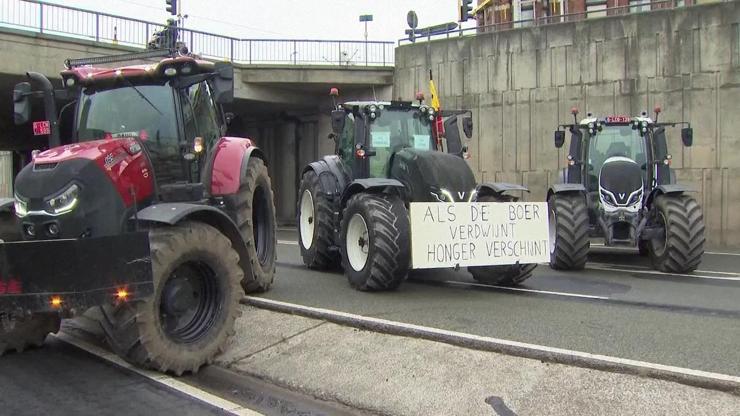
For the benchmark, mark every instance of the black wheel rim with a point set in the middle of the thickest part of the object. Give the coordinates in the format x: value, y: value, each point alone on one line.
x: 262, y: 225
x: 190, y: 302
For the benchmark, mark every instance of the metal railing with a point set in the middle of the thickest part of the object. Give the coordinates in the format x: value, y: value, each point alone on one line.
x: 553, y: 19
x: 37, y: 16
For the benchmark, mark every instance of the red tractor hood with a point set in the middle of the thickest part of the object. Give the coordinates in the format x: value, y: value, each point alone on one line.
x: 92, y: 150
x: 122, y: 160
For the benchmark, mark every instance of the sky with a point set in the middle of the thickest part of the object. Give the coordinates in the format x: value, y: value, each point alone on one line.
x: 286, y: 19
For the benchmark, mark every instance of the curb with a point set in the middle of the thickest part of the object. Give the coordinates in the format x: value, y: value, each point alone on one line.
x: 696, y: 378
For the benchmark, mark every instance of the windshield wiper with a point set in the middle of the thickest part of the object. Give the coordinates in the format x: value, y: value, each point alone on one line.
x: 130, y: 84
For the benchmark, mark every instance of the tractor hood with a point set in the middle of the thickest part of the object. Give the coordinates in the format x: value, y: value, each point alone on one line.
x: 432, y: 176
x: 82, y: 190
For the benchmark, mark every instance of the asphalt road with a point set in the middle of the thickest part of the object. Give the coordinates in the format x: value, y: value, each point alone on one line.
x: 618, y: 306
x: 61, y: 379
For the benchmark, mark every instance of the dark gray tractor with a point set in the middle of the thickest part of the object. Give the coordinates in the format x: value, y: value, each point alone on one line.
x: 619, y: 186
x: 353, y: 206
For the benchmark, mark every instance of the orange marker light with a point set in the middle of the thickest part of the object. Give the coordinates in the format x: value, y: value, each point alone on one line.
x: 122, y: 294
x: 56, y: 301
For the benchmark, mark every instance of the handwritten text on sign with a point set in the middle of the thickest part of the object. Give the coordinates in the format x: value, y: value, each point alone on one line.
x: 478, y: 234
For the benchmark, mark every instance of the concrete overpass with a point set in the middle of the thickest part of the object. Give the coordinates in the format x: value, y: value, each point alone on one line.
x: 283, y: 107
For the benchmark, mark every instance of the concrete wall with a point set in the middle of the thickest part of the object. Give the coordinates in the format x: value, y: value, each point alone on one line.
x: 521, y: 83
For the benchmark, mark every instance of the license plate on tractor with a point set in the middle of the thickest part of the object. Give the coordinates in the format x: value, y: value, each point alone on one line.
x: 461, y: 234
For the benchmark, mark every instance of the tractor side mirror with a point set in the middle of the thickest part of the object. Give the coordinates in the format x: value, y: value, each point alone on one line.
x: 687, y: 136
x: 559, y: 138
x: 223, y: 83
x: 21, y: 103
x: 337, y: 121
x: 467, y: 125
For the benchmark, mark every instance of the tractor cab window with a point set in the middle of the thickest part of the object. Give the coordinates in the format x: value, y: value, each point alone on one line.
x: 144, y: 111
x: 393, y: 130
x: 613, y: 141
x: 147, y: 111
x: 347, y: 141
x: 200, y: 114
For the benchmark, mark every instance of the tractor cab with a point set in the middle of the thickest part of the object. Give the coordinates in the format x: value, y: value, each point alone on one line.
x: 400, y: 140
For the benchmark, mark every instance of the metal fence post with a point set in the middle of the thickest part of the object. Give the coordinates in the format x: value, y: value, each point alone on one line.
x: 146, y: 35
x: 97, y: 27
x: 295, y: 54
x: 41, y: 17
x: 250, y: 51
x: 384, y: 46
x: 231, y: 44
x: 340, y: 53
x: 191, y: 46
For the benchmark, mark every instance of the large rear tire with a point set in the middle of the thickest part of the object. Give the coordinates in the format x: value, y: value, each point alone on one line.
x: 195, y: 303
x: 255, y: 217
x: 376, y: 248
x: 680, y: 248
x: 569, y: 240
x: 315, y: 225
x: 503, y: 275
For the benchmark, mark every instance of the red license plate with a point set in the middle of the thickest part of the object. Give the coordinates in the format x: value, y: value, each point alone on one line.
x: 617, y: 119
x: 41, y: 128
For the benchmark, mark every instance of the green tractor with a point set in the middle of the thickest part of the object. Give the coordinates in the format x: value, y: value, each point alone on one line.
x: 619, y: 186
x: 357, y: 207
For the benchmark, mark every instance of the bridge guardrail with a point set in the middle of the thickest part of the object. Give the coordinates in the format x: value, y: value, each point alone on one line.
x: 40, y: 17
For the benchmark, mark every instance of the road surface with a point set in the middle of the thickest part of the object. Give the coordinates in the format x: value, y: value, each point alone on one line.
x: 618, y: 306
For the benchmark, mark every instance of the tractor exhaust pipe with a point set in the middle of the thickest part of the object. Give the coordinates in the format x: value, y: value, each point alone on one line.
x: 50, y: 108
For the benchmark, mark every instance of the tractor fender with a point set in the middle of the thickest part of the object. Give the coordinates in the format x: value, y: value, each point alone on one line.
x: 229, y: 164
x: 172, y: 213
x: 566, y: 188
x: 666, y: 190
x: 6, y: 204
x: 374, y: 185
x: 498, y: 188
x: 330, y: 176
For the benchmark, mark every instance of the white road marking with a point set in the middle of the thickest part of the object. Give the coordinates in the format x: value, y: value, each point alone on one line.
x: 519, y: 289
x: 462, y: 337
x: 288, y: 242
x: 696, y: 276
x: 714, y: 253
x: 171, y: 382
x: 649, y: 268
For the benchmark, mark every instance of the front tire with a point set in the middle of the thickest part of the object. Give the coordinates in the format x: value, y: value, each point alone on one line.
x: 195, y: 302
x: 255, y: 216
x: 506, y: 274
x: 315, y: 225
x: 376, y: 247
x: 680, y: 248
x: 569, y: 240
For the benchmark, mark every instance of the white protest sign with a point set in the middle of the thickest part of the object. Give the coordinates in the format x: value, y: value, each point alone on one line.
x: 478, y: 233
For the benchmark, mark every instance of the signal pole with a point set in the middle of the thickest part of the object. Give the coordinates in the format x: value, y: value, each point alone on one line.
x: 366, y: 18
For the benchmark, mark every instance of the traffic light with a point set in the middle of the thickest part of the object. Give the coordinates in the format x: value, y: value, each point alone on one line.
x: 466, y: 10
x: 172, y: 6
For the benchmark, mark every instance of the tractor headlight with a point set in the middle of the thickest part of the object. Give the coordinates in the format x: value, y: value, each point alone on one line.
x: 21, y: 208
x: 63, y: 202
x: 608, y: 198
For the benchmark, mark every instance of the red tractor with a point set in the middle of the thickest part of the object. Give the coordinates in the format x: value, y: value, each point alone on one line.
x: 147, y: 211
